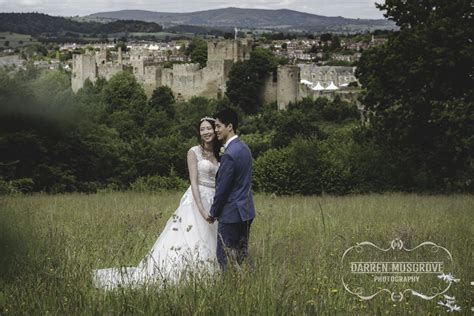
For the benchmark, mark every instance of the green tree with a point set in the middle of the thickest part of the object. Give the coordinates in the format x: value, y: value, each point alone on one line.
x: 246, y: 80
x: 335, y: 43
x: 188, y: 115
x: 122, y: 46
x: 325, y: 37
x: 419, y: 91
x: 197, y: 51
x: 163, y: 99
x: 123, y: 92
x: 55, y: 143
x: 125, y: 101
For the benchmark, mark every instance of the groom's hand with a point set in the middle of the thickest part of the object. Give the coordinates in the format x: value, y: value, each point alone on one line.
x: 210, y: 219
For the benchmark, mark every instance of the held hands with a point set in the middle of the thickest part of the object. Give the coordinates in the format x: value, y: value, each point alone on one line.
x: 207, y: 217
x: 210, y: 219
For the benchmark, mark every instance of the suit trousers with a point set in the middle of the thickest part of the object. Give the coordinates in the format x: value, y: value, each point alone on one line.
x: 232, y: 242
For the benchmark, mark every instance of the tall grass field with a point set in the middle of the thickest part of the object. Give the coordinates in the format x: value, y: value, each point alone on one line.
x: 49, y: 244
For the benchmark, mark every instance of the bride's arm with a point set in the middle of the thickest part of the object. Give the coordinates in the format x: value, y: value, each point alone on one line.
x: 193, y: 177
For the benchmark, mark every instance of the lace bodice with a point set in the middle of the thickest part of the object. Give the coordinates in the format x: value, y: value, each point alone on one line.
x: 206, y: 169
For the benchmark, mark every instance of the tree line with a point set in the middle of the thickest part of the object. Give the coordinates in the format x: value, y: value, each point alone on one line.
x: 41, y: 24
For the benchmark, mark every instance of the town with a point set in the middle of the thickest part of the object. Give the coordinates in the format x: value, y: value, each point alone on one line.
x: 312, y: 66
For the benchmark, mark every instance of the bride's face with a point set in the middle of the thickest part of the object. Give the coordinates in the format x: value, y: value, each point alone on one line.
x: 207, y: 132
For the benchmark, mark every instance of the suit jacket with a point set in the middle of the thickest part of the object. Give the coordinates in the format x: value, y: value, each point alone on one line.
x: 233, y: 200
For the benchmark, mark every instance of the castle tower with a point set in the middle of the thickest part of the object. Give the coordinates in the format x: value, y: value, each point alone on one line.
x: 288, y: 85
x: 232, y: 50
x: 101, y: 56
x: 221, y: 55
x: 119, y: 55
x: 83, y: 67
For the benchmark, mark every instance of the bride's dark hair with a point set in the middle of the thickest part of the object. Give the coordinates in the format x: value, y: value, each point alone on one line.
x: 216, y: 144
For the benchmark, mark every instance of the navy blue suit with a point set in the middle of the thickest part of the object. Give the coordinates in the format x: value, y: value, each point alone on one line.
x: 233, y: 202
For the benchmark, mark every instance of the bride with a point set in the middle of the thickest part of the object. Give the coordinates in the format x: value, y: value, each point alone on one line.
x: 188, y: 242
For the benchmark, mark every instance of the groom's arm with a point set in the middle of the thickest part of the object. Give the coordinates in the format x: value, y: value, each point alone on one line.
x: 224, y: 182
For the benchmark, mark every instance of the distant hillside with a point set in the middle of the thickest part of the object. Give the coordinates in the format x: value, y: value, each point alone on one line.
x: 250, y: 18
x: 37, y: 24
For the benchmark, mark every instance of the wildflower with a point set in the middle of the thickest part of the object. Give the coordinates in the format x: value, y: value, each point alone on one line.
x: 449, y: 298
x: 450, y: 307
x: 448, y: 278
x: 450, y: 303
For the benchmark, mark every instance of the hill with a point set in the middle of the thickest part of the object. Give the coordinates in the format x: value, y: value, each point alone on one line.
x: 39, y: 24
x: 250, y: 18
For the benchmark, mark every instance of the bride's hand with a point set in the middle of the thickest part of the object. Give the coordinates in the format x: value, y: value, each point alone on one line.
x: 204, y: 214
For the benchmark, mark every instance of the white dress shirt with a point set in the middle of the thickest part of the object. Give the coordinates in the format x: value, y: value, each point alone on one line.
x: 229, y: 140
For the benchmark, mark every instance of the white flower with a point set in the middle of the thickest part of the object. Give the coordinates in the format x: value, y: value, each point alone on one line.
x: 450, y: 304
x: 453, y: 308
x: 448, y: 278
x: 450, y: 307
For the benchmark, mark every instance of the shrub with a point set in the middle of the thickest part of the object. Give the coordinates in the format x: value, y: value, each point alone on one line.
x: 257, y: 142
x: 307, y: 156
x: 23, y: 185
x: 275, y: 172
x: 339, y: 110
x: 159, y: 183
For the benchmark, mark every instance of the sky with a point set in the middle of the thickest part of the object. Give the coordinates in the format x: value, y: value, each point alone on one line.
x: 346, y: 8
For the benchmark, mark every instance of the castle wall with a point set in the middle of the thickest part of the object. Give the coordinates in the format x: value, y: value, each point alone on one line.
x: 288, y: 85
x: 304, y: 92
x: 269, y: 93
x: 229, y: 50
x: 186, y: 80
x: 101, y: 57
x: 138, y: 68
x: 215, y: 78
x: 108, y: 70
x: 83, y: 68
x: 152, y: 78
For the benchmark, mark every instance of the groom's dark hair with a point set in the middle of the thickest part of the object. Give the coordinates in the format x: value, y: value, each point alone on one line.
x: 228, y: 116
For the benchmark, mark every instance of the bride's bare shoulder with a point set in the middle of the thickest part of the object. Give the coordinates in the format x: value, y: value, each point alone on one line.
x: 196, y: 150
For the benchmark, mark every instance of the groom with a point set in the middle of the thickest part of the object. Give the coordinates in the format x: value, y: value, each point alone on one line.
x: 233, y: 202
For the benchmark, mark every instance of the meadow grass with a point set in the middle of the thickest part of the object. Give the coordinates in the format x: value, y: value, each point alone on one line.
x: 49, y: 244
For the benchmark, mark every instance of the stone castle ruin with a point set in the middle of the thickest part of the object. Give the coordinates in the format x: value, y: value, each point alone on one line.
x: 290, y: 84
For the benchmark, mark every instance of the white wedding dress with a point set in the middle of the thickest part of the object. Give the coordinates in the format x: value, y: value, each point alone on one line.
x: 187, y: 243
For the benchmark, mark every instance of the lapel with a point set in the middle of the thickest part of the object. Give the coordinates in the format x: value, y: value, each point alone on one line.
x: 235, y: 140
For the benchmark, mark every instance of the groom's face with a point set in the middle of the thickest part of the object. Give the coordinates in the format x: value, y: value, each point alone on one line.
x: 222, y: 131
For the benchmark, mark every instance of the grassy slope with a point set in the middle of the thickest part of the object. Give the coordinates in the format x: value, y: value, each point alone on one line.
x: 14, y: 40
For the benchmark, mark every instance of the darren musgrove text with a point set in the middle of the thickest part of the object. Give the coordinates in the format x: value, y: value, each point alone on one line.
x: 435, y: 267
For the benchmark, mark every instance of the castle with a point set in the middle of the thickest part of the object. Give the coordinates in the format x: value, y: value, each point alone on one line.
x: 290, y: 83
